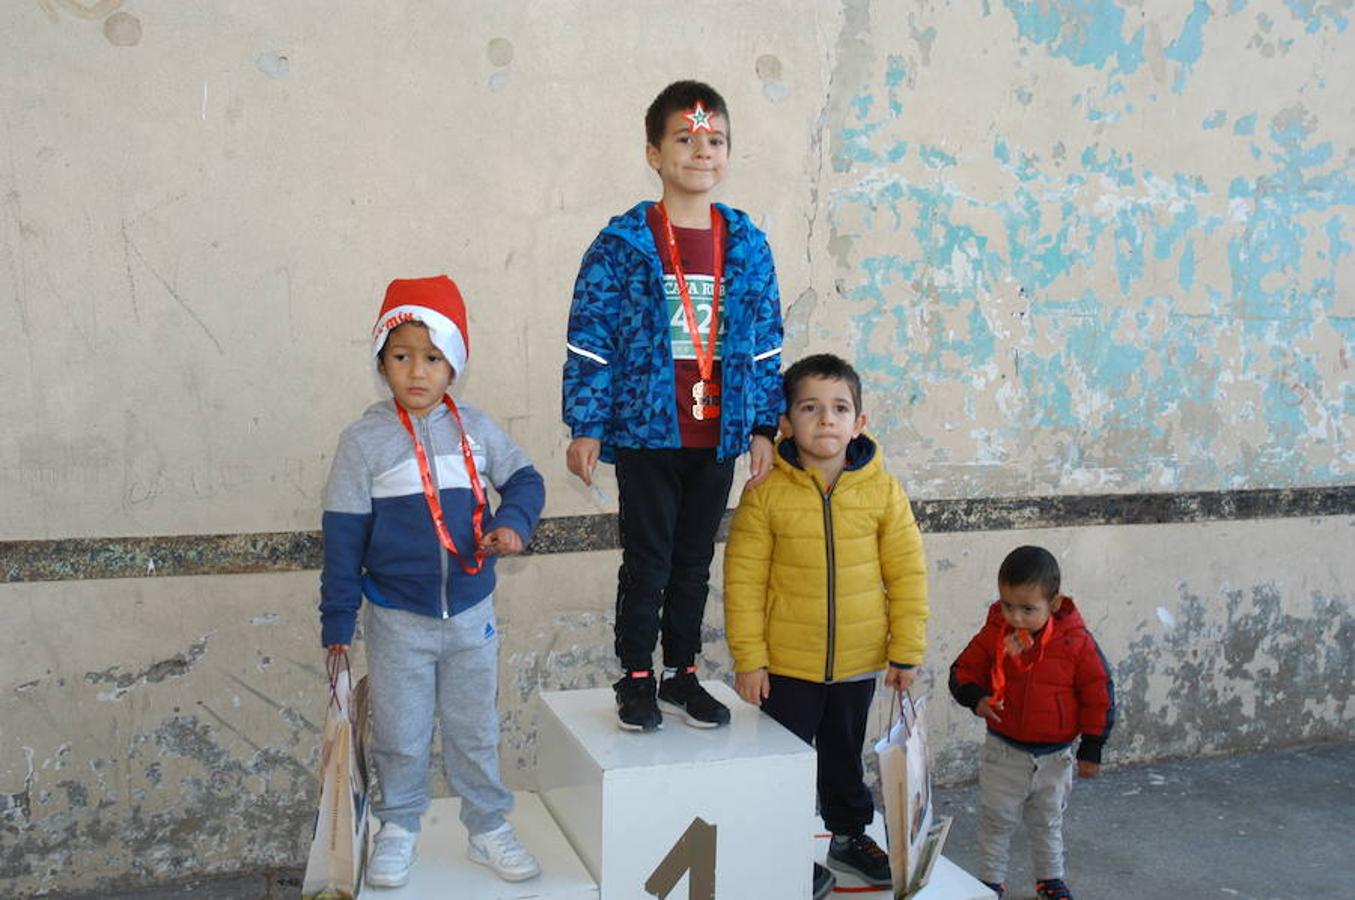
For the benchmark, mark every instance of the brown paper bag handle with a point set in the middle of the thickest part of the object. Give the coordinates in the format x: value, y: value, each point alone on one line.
x: 901, y: 696
x: 334, y: 664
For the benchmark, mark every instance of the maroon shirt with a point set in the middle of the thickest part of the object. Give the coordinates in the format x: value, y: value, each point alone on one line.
x: 698, y: 264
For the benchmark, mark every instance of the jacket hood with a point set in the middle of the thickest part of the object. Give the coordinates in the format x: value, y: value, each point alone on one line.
x: 1067, y: 618
x: 862, y: 455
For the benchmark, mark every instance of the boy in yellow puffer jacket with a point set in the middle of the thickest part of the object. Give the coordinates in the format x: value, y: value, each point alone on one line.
x: 826, y: 586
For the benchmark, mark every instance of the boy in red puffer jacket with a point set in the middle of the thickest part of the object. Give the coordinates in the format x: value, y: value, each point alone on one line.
x: 1036, y: 674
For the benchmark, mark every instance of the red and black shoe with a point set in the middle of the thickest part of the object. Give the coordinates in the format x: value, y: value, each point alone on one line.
x: 999, y: 889
x: 1052, y: 889
x: 859, y: 855
x: 637, y: 708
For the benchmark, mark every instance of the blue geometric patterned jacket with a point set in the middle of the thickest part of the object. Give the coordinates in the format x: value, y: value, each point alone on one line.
x: 619, y: 377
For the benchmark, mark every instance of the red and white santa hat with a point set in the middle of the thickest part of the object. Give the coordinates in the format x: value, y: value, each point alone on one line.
x: 436, y: 303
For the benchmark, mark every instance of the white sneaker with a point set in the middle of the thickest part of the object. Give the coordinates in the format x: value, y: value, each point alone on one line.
x: 392, y: 856
x: 501, y: 851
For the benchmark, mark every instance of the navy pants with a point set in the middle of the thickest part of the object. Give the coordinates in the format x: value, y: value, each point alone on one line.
x: 832, y: 717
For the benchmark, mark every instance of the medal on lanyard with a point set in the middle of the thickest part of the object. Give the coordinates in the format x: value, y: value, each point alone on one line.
x: 999, y: 673
x: 706, y: 391
x: 430, y: 492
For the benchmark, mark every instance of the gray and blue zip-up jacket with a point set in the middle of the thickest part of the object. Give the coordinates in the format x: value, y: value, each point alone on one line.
x: 380, y: 541
x: 619, y: 380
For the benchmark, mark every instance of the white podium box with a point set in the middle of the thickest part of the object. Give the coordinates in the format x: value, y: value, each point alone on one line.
x: 638, y: 807
x: 443, y: 871
x: 948, y: 881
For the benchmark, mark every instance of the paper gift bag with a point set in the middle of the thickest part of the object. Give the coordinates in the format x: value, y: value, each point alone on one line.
x: 905, y: 782
x: 338, y: 854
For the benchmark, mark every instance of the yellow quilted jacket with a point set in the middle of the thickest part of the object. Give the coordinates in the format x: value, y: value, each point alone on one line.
x: 825, y: 586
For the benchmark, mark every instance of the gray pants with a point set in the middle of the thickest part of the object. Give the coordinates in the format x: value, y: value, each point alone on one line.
x: 1013, y: 784
x: 416, y: 666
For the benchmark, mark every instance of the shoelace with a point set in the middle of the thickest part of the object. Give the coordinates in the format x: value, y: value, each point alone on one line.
x: 505, y: 845
x: 868, y: 847
x: 390, y: 844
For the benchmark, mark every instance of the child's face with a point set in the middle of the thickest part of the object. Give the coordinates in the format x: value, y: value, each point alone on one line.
x: 687, y: 162
x: 822, y: 420
x: 1025, y: 607
x: 415, y: 369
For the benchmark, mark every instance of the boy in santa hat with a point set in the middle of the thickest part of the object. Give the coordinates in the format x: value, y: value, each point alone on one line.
x: 407, y: 525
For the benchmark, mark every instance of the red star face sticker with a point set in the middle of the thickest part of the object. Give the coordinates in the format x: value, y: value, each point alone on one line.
x: 699, y: 118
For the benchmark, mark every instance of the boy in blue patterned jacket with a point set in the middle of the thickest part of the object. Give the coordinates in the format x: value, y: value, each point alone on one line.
x: 671, y: 372
x: 408, y: 526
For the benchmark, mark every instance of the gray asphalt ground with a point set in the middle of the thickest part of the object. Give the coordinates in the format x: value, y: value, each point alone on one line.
x: 1271, y: 826
x: 1268, y: 826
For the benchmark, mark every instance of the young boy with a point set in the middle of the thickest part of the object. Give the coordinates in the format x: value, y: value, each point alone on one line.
x: 1036, y: 675
x: 825, y: 586
x: 673, y: 351
x: 407, y: 525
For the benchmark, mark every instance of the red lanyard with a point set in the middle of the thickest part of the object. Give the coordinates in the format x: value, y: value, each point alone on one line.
x: 1021, y: 665
x: 705, y: 356
x: 430, y: 492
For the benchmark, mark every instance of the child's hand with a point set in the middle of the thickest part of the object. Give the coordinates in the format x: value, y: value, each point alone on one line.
x: 336, y: 649
x: 899, y: 679
x: 759, y: 461
x: 502, y: 541
x: 1088, y: 769
x: 987, y: 709
x: 582, y: 458
x: 754, y: 686
x: 1017, y: 642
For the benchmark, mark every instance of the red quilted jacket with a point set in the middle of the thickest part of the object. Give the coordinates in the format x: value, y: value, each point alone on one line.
x: 1068, y: 692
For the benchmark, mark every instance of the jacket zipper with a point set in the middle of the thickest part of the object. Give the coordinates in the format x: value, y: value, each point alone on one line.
x: 642, y: 246
x: 427, y: 430
x: 832, y: 585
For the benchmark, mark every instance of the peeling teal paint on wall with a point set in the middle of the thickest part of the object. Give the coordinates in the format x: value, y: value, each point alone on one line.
x: 854, y: 147
x: 1158, y: 312
x: 1085, y: 32
x: 895, y: 74
x: 1189, y: 46
x: 1267, y: 258
x: 1093, y: 33
x: 935, y: 157
x: 1337, y: 245
x: 1317, y: 14
x: 1108, y: 108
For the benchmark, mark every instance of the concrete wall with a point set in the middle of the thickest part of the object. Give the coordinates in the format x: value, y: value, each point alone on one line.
x: 1079, y: 248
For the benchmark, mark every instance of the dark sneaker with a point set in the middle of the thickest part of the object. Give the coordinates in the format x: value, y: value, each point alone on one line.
x: 1052, y: 889
x: 860, y: 856
x: 999, y: 889
x: 684, y: 695
x: 636, y: 707
x: 824, y: 882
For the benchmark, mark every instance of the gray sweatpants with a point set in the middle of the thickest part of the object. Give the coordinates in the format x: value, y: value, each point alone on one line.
x: 416, y: 666
x: 1013, y: 784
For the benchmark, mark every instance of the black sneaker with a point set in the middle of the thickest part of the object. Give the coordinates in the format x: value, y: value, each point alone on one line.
x: 997, y: 888
x: 635, y: 705
x: 860, y: 856
x: 1052, y: 889
x: 824, y: 882
x: 683, y: 694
